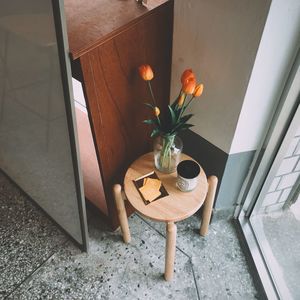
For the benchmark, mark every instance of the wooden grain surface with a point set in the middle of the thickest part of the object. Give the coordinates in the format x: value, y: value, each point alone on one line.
x: 175, y: 207
x: 92, y: 22
x: 115, y: 94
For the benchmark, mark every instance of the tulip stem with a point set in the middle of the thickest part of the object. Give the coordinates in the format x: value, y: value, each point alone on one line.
x: 180, y: 93
x: 165, y: 158
x: 151, y: 92
x: 158, y: 120
x: 184, y: 107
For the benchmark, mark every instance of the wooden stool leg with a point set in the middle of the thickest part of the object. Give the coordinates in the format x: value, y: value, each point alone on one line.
x: 122, y: 215
x: 170, y: 250
x: 208, y: 204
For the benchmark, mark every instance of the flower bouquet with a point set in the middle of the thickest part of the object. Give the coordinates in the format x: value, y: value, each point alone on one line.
x: 167, y: 145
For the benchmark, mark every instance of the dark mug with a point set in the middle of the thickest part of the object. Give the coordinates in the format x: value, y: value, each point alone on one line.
x: 187, y: 175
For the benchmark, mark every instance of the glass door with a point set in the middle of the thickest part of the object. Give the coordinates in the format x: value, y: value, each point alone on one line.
x: 275, y: 218
x: 38, y: 140
x: 269, y: 213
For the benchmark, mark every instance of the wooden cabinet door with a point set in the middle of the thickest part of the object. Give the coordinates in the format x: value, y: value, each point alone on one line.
x: 115, y: 94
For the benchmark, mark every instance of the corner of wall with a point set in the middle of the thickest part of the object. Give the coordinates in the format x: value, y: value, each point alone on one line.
x: 235, y: 172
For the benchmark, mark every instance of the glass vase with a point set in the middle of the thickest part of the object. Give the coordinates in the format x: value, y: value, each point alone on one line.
x: 167, y: 151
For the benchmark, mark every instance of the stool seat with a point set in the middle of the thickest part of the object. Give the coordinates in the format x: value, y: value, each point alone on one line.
x: 177, y: 205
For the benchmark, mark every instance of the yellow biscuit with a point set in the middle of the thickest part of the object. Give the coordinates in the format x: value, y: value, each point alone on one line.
x: 154, y: 183
x: 149, y: 193
x: 145, y: 180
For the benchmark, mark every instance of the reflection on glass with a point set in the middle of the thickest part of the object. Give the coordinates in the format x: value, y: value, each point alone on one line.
x: 277, y: 223
x: 34, y: 139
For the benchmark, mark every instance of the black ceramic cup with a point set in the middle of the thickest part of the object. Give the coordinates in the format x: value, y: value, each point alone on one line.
x: 187, y: 175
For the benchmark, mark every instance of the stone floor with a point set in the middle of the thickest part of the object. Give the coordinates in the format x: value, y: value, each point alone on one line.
x: 37, y: 261
x: 279, y: 233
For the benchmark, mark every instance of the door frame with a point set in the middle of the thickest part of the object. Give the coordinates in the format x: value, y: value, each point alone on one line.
x: 261, y: 166
x: 66, y: 76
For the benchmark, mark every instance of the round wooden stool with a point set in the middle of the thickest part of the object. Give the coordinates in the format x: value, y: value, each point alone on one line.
x: 175, y: 207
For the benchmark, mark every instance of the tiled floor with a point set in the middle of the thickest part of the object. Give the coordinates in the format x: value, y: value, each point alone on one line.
x: 27, y: 237
x: 37, y: 261
x: 279, y: 233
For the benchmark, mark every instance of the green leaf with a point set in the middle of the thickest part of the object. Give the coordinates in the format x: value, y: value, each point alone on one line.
x: 150, y: 121
x: 173, y: 115
x: 186, y: 126
x: 181, y: 126
x: 155, y: 132
x: 177, y: 112
x: 149, y: 105
x: 173, y: 105
x: 185, y: 118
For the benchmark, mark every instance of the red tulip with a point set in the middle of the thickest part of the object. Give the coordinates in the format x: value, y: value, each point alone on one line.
x: 146, y: 72
x: 198, y: 90
x: 188, y: 87
x: 156, y: 111
x: 181, y: 100
x: 187, y: 75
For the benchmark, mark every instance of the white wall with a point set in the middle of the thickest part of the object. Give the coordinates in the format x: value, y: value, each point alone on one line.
x: 219, y: 40
x: 278, y: 46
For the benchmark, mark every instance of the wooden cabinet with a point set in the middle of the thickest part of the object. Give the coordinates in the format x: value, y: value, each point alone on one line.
x: 108, y: 41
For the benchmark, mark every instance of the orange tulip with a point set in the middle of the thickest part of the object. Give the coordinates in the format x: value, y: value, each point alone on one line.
x: 146, y: 72
x: 156, y: 111
x: 187, y: 75
x: 188, y: 87
x: 198, y: 90
x: 181, y: 100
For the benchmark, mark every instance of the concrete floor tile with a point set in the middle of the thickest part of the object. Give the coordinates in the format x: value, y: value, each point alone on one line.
x: 279, y: 234
x: 27, y: 237
x: 211, y: 267
x: 112, y: 269
x: 219, y: 265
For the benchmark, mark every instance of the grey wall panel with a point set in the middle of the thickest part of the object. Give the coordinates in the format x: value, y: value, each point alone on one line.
x: 218, y: 40
x: 236, y: 170
x: 231, y: 170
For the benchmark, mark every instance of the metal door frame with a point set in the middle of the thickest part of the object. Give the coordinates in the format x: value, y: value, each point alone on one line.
x: 66, y: 76
x: 272, y: 145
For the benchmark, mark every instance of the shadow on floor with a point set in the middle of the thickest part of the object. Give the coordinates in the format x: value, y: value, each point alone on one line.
x: 38, y: 261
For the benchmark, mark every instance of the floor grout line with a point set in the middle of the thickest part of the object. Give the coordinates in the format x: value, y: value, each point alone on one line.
x: 195, y: 281
x: 183, y: 252
x: 38, y: 267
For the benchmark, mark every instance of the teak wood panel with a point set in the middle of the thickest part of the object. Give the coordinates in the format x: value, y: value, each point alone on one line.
x: 92, y: 22
x: 116, y: 94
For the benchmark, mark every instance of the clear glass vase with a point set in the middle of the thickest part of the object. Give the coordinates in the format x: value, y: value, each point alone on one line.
x: 167, y: 151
